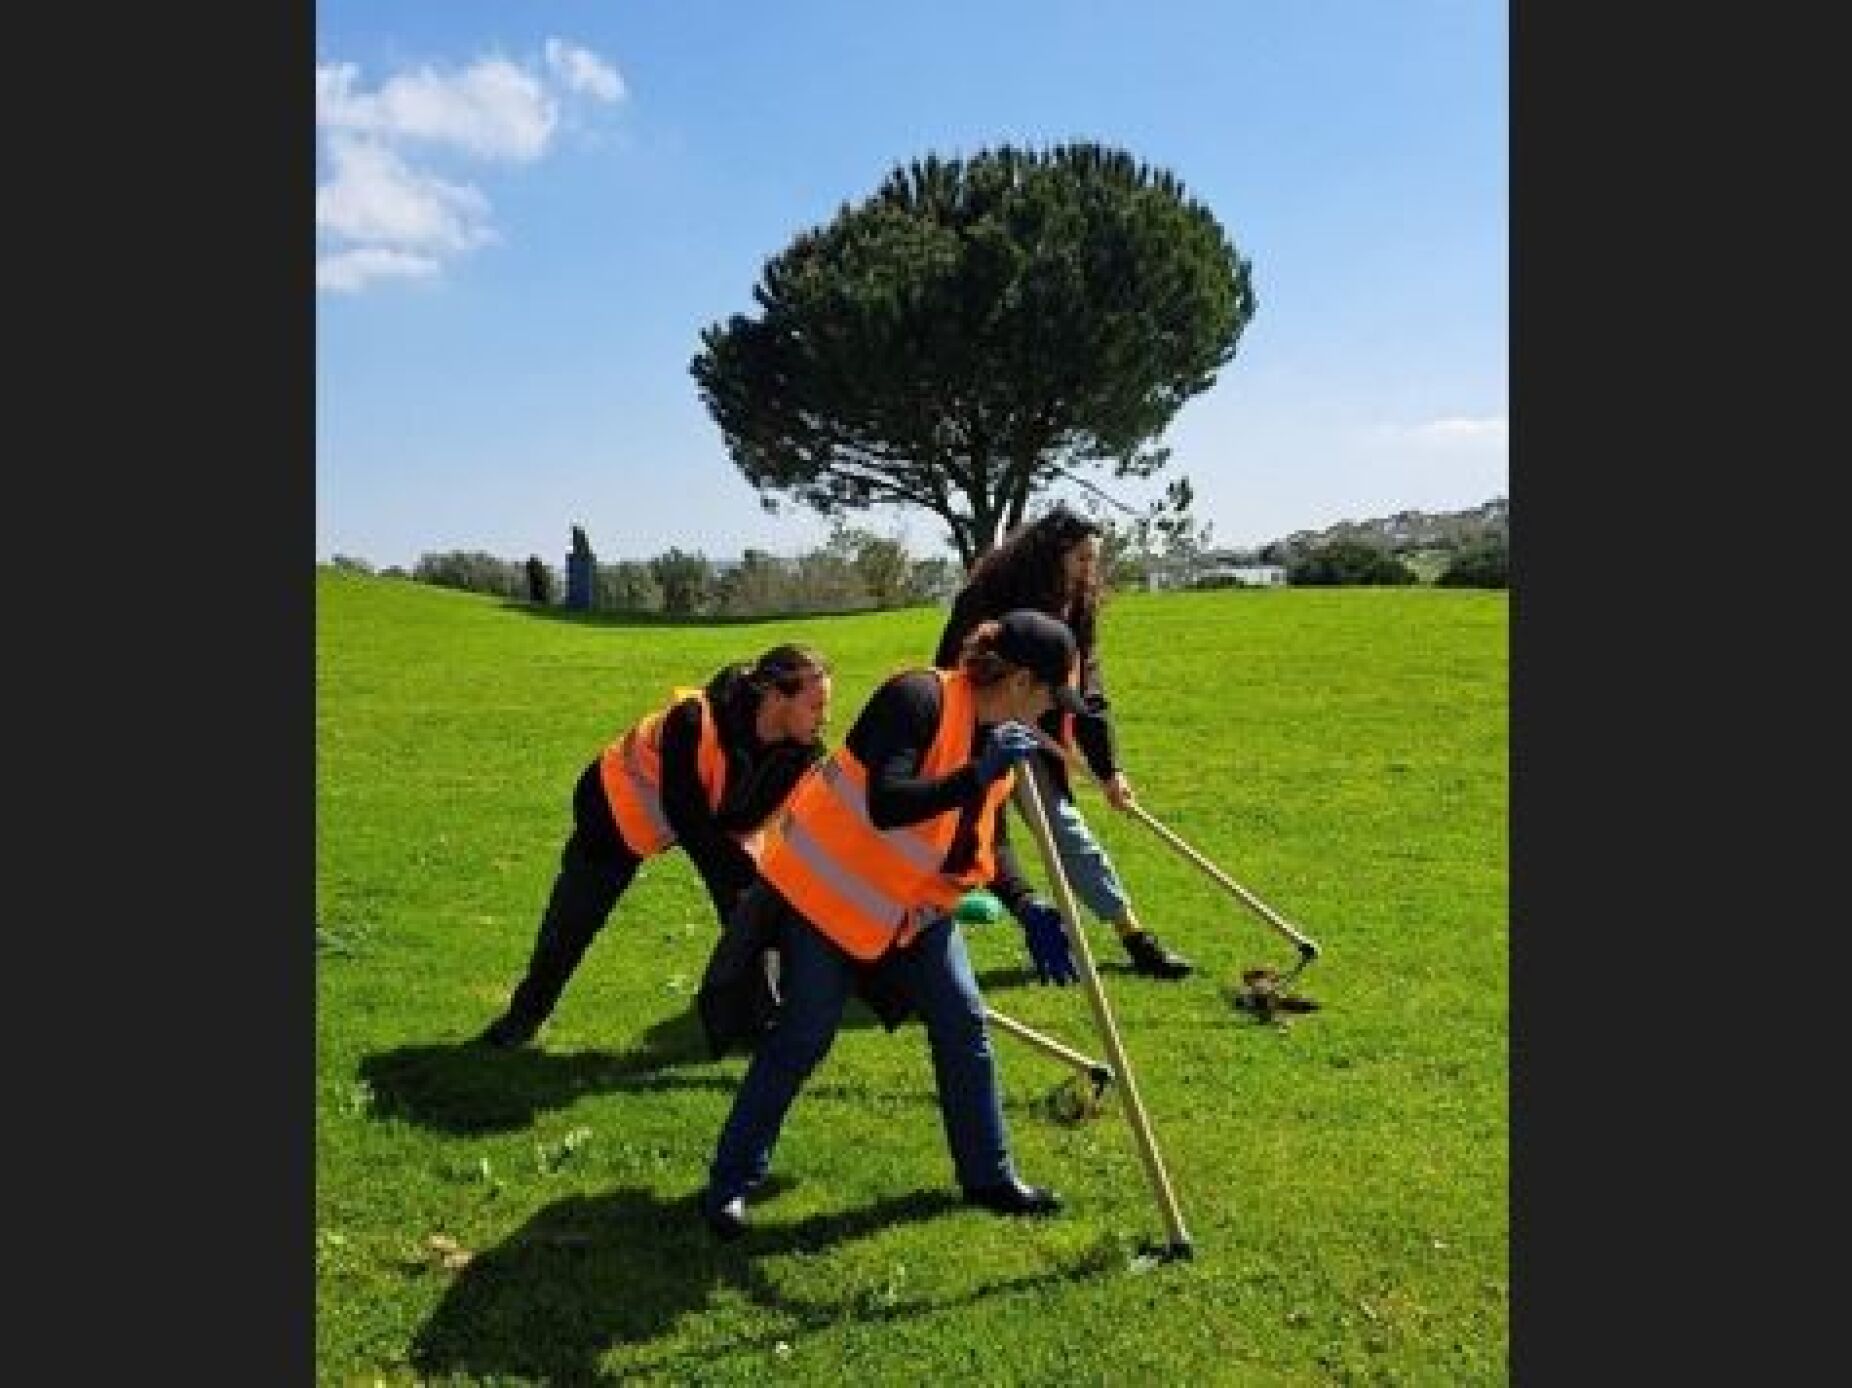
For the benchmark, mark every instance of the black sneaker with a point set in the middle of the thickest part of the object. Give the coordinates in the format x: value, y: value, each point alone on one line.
x: 1014, y: 1197
x: 1149, y: 957
x: 727, y: 1220
x: 508, y: 1032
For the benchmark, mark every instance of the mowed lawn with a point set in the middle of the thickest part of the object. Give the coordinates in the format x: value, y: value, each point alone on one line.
x: 483, y: 1217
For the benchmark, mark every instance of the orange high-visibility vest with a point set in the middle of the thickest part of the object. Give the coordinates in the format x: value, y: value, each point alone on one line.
x: 866, y: 887
x: 631, y: 769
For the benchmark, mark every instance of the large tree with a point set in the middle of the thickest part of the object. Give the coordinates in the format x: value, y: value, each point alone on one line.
x: 973, y: 333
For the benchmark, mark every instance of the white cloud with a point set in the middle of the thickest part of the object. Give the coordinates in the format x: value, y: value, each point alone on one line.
x: 1461, y: 429
x: 350, y: 271
x: 376, y: 197
x: 492, y: 108
x: 584, y: 71
x: 397, y: 219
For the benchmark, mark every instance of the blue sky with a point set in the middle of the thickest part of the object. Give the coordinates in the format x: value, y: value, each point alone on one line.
x: 526, y: 214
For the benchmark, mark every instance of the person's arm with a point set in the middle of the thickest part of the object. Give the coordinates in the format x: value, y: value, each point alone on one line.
x: 889, y: 738
x: 726, y: 868
x: 1094, y: 731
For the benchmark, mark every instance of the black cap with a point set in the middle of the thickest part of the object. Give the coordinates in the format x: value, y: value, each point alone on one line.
x: 1045, y: 647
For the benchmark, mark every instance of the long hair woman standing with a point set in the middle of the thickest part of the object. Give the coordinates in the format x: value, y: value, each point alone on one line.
x: 1052, y: 564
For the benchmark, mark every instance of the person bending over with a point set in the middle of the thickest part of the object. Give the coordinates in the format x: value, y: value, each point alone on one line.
x: 704, y: 774
x: 862, y: 872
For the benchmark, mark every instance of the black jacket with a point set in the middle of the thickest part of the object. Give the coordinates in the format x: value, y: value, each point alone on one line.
x: 759, y: 779
x: 739, y: 998
x: 1094, y: 733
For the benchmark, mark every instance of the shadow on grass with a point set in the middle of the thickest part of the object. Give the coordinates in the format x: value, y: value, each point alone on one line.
x: 590, y: 1273
x: 464, y: 1088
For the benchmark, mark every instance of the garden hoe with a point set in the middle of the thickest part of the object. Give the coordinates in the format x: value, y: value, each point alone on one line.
x: 1029, y: 798
x: 1265, y: 991
x: 979, y: 907
x: 1077, y: 1103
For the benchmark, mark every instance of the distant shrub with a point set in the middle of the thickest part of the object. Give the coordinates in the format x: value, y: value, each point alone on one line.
x: 1342, y: 562
x: 936, y: 579
x: 1482, y: 564
x: 827, y: 582
x: 759, y: 583
x: 474, y: 572
x: 1212, y: 580
x: 626, y: 586
x: 687, y: 581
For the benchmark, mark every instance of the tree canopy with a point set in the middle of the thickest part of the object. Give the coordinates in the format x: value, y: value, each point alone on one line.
x: 975, y: 331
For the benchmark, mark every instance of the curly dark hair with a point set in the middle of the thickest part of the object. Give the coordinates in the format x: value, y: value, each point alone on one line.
x: 1024, y: 569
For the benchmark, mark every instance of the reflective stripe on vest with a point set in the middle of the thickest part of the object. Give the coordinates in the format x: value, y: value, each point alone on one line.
x: 631, y: 769
x: 865, y: 887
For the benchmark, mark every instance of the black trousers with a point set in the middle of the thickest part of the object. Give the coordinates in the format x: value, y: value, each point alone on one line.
x: 595, y: 867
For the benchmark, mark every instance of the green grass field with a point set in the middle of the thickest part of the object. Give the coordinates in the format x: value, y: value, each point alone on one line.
x: 485, y: 1217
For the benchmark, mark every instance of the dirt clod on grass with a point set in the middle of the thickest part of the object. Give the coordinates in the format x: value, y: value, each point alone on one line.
x: 1260, y: 994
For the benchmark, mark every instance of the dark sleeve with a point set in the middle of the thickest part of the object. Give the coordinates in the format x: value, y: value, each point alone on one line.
x: 957, y: 627
x: 1094, y: 733
x: 889, y: 738
x: 726, y: 869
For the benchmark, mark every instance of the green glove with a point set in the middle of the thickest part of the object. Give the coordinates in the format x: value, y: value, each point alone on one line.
x: 978, y: 907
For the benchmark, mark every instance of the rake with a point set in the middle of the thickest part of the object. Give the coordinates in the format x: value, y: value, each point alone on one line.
x: 980, y: 907
x: 1099, y: 1075
x: 1260, y: 981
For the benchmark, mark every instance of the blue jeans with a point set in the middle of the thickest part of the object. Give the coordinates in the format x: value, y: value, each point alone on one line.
x: 816, y: 979
x: 1089, y: 871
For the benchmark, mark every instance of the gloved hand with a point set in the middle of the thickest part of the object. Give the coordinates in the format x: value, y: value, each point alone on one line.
x: 1009, y: 743
x: 1048, y: 947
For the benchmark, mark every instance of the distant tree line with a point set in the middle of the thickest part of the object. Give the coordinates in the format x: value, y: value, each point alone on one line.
x: 1461, y: 549
x: 855, y: 570
x: 473, y: 571
x: 1479, y: 563
x: 347, y: 563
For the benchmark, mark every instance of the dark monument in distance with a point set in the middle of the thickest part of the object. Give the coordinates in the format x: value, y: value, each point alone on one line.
x: 581, y: 573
